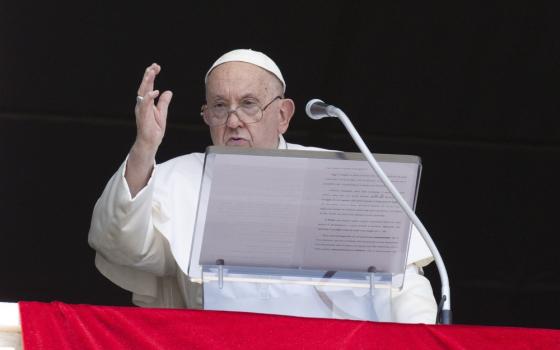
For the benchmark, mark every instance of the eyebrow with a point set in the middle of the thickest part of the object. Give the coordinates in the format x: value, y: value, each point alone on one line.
x: 244, y: 96
x: 250, y: 95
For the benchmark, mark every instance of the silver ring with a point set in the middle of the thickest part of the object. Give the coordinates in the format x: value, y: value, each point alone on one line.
x: 139, y: 99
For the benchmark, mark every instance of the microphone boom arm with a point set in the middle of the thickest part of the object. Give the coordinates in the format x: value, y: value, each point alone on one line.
x: 331, y: 111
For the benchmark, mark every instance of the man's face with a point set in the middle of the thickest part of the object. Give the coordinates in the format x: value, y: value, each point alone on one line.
x: 233, y: 83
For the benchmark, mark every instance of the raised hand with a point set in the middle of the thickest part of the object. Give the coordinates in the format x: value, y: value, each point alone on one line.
x: 151, y: 119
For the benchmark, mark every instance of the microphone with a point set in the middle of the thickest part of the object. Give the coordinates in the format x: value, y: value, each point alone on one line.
x: 317, y: 109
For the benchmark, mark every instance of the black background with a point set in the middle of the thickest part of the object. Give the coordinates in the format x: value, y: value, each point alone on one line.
x: 470, y: 87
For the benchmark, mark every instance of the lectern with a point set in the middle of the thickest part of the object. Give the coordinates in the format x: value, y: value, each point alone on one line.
x: 302, y: 233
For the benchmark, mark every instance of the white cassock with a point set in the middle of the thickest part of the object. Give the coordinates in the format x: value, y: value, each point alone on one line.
x: 143, y: 245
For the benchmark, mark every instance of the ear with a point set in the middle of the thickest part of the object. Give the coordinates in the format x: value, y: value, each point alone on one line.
x: 287, y: 109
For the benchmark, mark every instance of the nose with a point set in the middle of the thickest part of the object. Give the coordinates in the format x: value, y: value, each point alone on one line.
x: 233, y: 120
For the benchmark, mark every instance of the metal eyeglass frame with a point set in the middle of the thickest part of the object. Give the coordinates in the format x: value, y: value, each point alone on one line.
x: 229, y: 112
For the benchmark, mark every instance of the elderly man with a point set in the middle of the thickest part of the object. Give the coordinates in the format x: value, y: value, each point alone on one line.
x: 144, y: 219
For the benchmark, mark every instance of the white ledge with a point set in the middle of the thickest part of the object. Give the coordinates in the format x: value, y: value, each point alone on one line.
x: 9, y: 317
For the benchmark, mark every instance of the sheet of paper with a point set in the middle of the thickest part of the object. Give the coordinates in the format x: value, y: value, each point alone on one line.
x: 350, y: 220
x: 254, y: 209
x: 311, y: 213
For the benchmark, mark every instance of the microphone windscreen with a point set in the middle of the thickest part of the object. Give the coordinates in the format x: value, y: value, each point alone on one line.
x: 316, y: 109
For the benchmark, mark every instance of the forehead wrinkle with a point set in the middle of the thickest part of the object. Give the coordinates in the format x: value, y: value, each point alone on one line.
x: 239, y: 76
x: 231, y: 93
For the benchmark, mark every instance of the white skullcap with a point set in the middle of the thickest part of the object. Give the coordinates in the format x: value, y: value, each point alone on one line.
x: 249, y: 56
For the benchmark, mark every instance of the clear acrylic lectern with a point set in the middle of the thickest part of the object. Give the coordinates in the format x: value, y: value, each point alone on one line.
x: 301, y: 233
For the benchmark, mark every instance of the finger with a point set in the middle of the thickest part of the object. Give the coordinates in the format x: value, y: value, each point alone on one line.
x: 147, y: 83
x: 163, y: 106
x: 147, y: 102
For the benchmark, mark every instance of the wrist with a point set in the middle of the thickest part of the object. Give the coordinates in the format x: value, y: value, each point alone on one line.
x: 142, y: 152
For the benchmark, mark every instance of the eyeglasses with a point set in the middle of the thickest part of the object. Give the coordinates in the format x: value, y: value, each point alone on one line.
x: 248, y: 112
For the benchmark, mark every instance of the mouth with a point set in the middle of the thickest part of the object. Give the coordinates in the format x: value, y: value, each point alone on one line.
x: 237, y: 141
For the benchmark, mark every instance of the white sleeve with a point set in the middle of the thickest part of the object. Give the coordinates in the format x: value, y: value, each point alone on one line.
x: 130, y: 251
x: 415, y: 303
